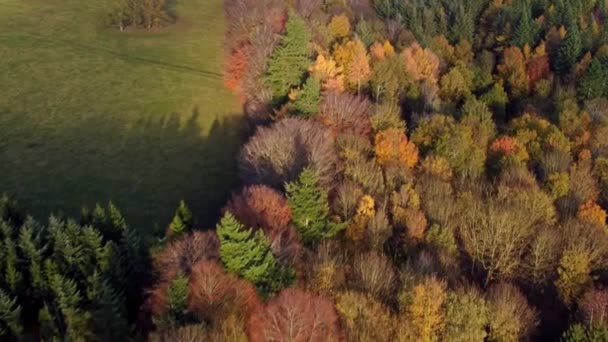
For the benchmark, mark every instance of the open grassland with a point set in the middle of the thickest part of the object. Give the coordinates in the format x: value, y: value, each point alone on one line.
x: 89, y: 114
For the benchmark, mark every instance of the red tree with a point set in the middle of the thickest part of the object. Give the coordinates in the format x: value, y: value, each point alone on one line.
x: 538, y: 68
x: 295, y: 315
x: 260, y: 206
x: 236, y: 68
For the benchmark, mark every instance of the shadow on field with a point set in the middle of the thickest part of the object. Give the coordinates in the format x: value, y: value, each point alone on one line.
x: 145, y: 168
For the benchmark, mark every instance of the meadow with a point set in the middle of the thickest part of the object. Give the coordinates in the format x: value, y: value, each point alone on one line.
x: 90, y: 114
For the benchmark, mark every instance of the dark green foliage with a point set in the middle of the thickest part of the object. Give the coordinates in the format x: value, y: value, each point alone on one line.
x: 593, y: 82
x: 10, y: 315
x: 310, y: 209
x: 71, y: 279
x: 526, y: 31
x: 182, y: 221
x: 309, y: 98
x: 248, y: 254
x: 569, y: 51
x: 289, y: 62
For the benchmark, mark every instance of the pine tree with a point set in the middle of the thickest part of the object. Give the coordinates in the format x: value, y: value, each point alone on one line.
x: 249, y: 255
x: 307, y: 102
x: 569, y: 51
x: 182, y: 221
x: 592, y: 83
x: 308, y: 202
x: 289, y: 62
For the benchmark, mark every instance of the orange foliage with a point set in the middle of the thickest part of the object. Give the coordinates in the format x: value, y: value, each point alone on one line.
x: 416, y: 224
x: 591, y: 212
x: 297, y: 316
x: 421, y: 64
x: 236, y: 68
x: 330, y: 74
x: 392, y: 146
x: 509, y: 147
x: 513, y: 71
x: 260, y: 206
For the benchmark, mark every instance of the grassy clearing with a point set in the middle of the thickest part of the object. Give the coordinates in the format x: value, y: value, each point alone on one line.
x: 89, y: 114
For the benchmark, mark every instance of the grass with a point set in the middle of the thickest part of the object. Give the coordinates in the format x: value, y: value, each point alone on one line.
x: 89, y: 114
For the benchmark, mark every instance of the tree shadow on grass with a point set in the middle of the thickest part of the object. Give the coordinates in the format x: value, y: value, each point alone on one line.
x: 145, y: 168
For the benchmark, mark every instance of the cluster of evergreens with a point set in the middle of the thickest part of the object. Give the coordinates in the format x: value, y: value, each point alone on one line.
x: 417, y: 170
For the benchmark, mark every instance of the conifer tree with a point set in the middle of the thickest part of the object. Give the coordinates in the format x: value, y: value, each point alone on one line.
x: 182, y: 221
x: 177, y: 297
x: 309, y: 98
x: 289, y: 62
x: 249, y: 255
x: 10, y: 315
x: 526, y: 31
x: 569, y: 50
x: 310, y: 209
x: 592, y: 83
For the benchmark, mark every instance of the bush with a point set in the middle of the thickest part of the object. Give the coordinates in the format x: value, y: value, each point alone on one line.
x: 147, y: 14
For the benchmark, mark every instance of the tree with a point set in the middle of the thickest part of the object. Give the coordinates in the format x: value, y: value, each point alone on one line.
x: 248, y: 255
x: 513, y: 72
x: 339, y: 26
x: 364, y: 318
x: 569, y: 50
x: 182, y: 220
x: 308, y: 202
x: 391, y: 146
x: 526, y: 31
x: 511, y: 317
x: 592, y: 84
x: 295, y: 315
x: 289, y: 62
x: 346, y: 114
x: 277, y: 154
x: 260, y: 206
x: 423, y: 313
x: 421, y: 64
x: 308, y: 99
x: 358, y: 72
x: 466, y: 316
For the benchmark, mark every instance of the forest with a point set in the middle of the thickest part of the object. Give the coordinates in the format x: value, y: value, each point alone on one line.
x: 413, y: 170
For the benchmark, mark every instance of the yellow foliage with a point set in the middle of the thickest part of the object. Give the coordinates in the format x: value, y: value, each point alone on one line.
x: 438, y: 167
x: 365, y: 319
x: 389, y: 50
x: 423, y: 318
x: 328, y: 71
x: 366, y: 206
x: 421, y: 64
x: 573, y: 274
x: 541, y: 50
x: 339, y: 26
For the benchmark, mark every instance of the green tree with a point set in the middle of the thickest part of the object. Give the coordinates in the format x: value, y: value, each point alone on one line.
x: 466, y: 316
x: 592, y: 83
x: 177, y: 297
x: 569, y: 50
x: 307, y: 102
x: 310, y: 209
x: 10, y: 316
x: 526, y: 31
x: 248, y: 255
x: 289, y: 62
x: 182, y: 221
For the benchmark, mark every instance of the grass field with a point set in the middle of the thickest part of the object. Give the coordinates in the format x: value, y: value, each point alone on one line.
x: 89, y: 114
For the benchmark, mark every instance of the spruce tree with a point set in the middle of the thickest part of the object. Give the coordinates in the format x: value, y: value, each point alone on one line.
x: 10, y: 316
x: 182, y: 221
x: 526, y: 30
x: 249, y: 255
x: 591, y: 84
x: 307, y: 102
x: 289, y: 62
x: 569, y: 50
x: 310, y: 209
x: 177, y: 296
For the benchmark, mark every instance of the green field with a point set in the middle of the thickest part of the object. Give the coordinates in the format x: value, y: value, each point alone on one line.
x: 90, y: 114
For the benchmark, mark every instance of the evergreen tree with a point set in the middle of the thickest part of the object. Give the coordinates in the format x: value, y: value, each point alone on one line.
x: 310, y: 209
x: 249, y: 255
x: 289, y: 62
x: 307, y: 102
x: 592, y: 83
x: 526, y: 31
x: 569, y: 50
x: 182, y: 221
x: 177, y: 296
x: 10, y: 316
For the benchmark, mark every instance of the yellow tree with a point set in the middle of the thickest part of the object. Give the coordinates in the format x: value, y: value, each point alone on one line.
x: 423, y: 316
x: 392, y: 146
x: 513, y: 71
x: 358, y: 71
x: 421, y: 64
